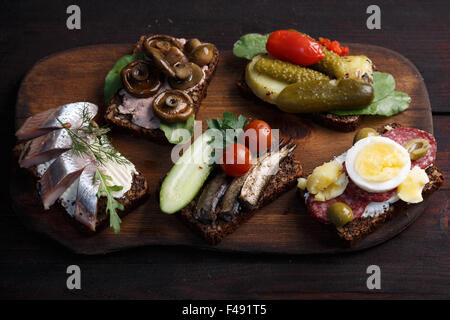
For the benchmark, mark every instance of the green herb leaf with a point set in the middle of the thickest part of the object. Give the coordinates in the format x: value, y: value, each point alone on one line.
x: 250, y: 45
x: 387, y: 102
x: 230, y: 126
x: 104, y: 190
x: 172, y: 132
x: 113, y: 81
x: 100, y: 147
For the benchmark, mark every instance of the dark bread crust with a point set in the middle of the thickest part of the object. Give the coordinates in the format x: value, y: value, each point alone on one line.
x: 329, y: 120
x: 123, y: 121
x: 285, y: 179
x: 358, y: 229
x: 130, y: 200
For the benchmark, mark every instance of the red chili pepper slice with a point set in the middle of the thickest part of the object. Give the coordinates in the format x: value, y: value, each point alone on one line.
x: 334, y: 46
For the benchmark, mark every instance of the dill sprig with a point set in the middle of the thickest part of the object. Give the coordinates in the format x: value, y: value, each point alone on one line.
x: 89, y: 138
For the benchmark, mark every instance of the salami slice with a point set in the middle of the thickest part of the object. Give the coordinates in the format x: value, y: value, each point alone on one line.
x: 318, y: 209
x: 357, y: 192
x: 403, y: 135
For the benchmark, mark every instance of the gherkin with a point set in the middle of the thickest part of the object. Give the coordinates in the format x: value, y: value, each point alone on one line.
x: 287, y: 72
x: 332, y: 64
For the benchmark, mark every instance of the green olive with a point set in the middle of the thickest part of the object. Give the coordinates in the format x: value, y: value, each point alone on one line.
x: 417, y: 148
x: 364, y: 133
x: 340, y: 214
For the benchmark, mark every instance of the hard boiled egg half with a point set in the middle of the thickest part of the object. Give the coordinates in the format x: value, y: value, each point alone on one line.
x: 377, y: 164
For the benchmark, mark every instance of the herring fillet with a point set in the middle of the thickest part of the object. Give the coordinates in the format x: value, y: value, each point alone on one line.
x: 45, y: 121
x: 60, y: 175
x: 45, y: 148
x: 86, y: 201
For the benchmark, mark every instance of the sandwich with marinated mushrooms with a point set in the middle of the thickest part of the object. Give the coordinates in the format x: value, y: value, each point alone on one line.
x: 298, y: 74
x: 159, y: 87
x: 384, y: 172
x: 230, y: 171
x: 77, y: 167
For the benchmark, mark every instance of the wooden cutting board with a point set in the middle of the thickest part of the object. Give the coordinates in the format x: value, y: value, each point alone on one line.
x: 281, y: 227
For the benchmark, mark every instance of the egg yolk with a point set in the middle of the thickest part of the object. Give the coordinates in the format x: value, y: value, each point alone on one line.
x: 379, y: 162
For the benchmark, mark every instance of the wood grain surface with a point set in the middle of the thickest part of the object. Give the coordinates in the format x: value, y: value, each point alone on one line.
x: 282, y: 227
x: 415, y: 264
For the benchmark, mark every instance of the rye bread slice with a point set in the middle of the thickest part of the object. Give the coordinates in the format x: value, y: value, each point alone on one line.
x: 285, y: 179
x: 123, y: 121
x: 130, y: 200
x: 356, y: 230
x: 329, y: 120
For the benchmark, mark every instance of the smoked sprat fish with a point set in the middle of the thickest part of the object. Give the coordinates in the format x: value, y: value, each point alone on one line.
x: 261, y: 173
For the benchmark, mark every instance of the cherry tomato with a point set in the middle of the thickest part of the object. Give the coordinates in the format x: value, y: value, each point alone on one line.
x: 294, y: 47
x: 258, y: 136
x: 237, y: 160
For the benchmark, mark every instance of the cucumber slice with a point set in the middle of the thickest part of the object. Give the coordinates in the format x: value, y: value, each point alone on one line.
x: 187, y: 176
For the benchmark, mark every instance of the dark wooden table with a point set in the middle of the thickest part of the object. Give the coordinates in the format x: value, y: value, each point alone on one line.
x: 415, y: 264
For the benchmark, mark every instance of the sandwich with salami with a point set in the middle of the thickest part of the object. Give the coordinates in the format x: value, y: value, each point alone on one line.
x: 384, y: 172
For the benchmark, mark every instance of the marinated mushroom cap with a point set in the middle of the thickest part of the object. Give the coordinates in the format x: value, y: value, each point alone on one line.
x: 199, y: 53
x: 173, y: 106
x: 140, y: 80
x: 186, y: 76
x: 161, y: 42
x: 160, y: 61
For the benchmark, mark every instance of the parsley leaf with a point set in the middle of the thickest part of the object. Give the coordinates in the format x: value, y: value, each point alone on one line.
x: 104, y: 190
x: 230, y: 127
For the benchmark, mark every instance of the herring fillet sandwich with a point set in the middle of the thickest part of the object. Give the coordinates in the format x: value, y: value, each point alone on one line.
x: 77, y: 166
x: 383, y: 173
x: 160, y: 86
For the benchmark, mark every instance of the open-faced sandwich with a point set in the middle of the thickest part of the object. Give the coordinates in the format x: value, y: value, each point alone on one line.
x: 298, y: 74
x: 383, y: 172
x: 231, y: 170
x: 77, y: 166
x: 159, y: 88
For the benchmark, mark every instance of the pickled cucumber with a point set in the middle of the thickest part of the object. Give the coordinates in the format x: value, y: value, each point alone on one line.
x: 287, y: 72
x: 332, y: 64
x: 324, y: 95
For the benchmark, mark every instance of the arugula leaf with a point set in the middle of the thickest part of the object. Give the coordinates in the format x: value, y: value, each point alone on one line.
x: 113, y: 81
x: 387, y: 102
x: 104, y: 190
x: 172, y: 132
x: 230, y: 126
x: 250, y: 45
